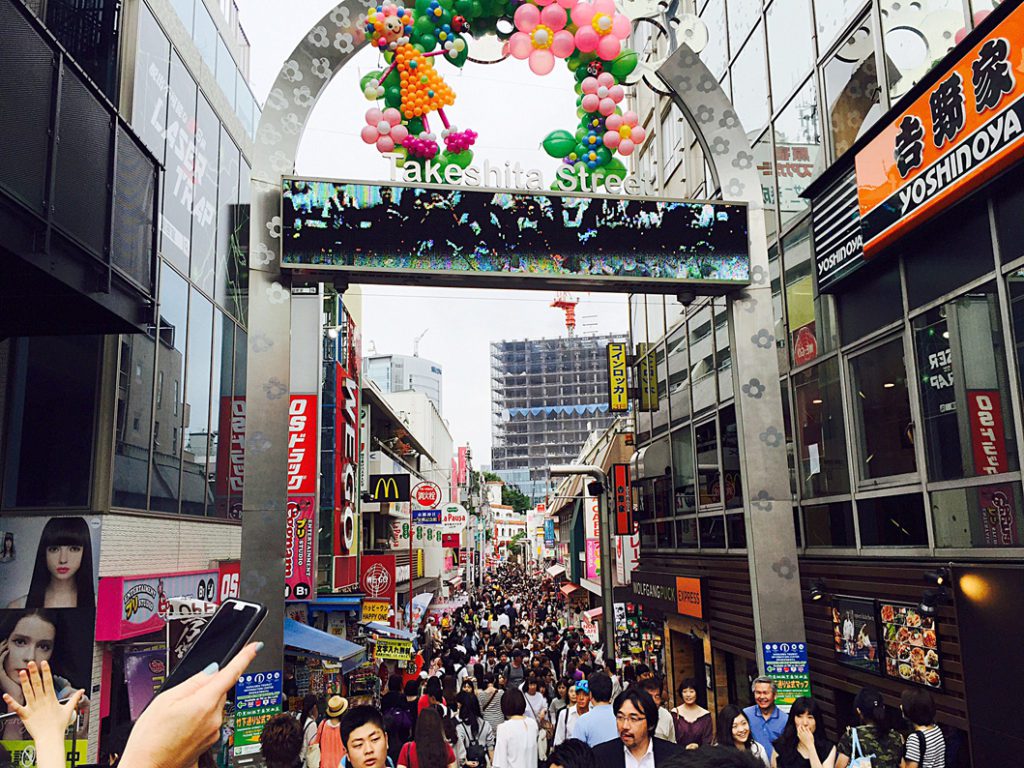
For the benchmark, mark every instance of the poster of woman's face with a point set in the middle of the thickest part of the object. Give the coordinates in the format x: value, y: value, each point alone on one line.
x: 49, y: 562
x: 62, y: 638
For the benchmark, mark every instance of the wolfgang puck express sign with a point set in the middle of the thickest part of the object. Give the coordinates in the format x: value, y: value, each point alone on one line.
x: 965, y: 128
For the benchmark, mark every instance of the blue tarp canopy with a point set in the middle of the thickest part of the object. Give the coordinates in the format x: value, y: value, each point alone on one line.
x: 312, y: 641
x: 385, y: 629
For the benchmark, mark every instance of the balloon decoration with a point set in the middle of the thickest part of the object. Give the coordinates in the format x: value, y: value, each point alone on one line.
x: 588, y: 34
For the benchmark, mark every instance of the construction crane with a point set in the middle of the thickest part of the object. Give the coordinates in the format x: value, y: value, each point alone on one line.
x: 566, y: 302
x: 416, y: 343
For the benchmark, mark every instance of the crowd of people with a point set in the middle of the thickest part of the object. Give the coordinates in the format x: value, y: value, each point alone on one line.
x: 503, y: 682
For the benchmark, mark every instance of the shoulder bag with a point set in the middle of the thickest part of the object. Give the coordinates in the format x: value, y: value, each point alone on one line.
x: 857, y: 757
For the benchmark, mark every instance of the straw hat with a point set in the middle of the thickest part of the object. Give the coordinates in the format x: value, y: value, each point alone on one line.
x: 336, y: 706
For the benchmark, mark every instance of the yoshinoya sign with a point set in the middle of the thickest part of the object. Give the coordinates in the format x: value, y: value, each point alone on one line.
x: 966, y: 127
x: 506, y: 238
x: 672, y: 594
x: 835, y: 222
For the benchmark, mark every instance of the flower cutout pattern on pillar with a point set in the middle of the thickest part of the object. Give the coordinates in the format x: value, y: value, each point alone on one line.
x: 600, y: 28
x: 384, y: 128
x: 541, y: 36
x: 624, y: 133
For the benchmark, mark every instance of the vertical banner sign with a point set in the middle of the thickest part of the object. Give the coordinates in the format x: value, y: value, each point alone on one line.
x: 549, y: 533
x: 786, y: 664
x: 257, y: 700
x: 230, y: 458
x: 987, y: 437
x: 302, y: 445
x: 963, y: 130
x: 618, y: 389
x: 300, y: 558
x: 346, y: 434
x: 592, y: 536
x: 998, y: 516
x: 377, y: 577
x: 622, y: 500
x: 627, y: 557
x: 648, y: 376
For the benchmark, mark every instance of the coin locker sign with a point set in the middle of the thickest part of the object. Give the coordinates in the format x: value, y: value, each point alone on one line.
x: 618, y: 389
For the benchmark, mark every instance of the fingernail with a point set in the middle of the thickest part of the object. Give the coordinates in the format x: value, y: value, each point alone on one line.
x: 259, y: 646
x: 211, y: 668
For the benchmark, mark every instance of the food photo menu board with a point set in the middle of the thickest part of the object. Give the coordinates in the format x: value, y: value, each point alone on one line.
x: 911, y: 645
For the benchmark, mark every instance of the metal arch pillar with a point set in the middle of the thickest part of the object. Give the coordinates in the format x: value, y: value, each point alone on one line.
x: 303, y: 77
x: 768, y: 505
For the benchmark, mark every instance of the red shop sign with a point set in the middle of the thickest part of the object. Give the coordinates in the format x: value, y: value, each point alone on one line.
x: 622, y: 498
x: 987, y: 437
x: 302, y: 445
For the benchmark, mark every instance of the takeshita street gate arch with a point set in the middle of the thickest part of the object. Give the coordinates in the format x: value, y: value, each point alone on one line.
x: 303, y: 77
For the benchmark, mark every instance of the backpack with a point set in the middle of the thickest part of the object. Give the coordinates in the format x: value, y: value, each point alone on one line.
x: 398, y: 727
x: 475, y: 751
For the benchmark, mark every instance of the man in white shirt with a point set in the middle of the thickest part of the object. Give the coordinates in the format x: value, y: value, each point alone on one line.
x: 565, y: 722
x: 666, y: 728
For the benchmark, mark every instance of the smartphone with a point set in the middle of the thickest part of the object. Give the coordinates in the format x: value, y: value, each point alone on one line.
x: 224, y: 635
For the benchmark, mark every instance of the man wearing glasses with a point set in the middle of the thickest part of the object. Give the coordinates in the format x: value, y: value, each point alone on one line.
x: 636, y: 718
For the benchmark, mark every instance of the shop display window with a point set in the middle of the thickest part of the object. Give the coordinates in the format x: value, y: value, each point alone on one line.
x: 709, y: 476
x: 821, y: 440
x: 881, y: 406
x: 736, y: 529
x: 750, y: 85
x: 829, y: 525
x: 798, y: 152
x: 790, y: 45
x: 987, y: 516
x: 965, y: 401
x: 812, y: 323
x: 712, y: 532
x: 915, y: 37
x: 682, y: 471
x: 686, y: 533
x: 892, y: 521
x: 852, y: 93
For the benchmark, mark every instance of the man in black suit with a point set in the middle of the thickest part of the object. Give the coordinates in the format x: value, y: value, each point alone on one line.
x: 636, y: 717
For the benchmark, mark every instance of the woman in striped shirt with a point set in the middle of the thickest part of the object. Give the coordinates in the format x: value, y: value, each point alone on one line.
x: 926, y: 746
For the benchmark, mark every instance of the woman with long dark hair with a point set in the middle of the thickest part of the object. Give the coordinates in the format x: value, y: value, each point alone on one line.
x: 874, y: 736
x: 63, y: 570
x: 734, y: 733
x: 474, y: 747
x: 428, y: 749
x: 7, y: 551
x: 802, y: 743
x: 307, y: 717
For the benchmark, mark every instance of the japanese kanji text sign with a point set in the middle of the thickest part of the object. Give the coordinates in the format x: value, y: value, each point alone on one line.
x: 622, y: 498
x: 647, y: 373
x: 618, y: 390
x: 965, y: 128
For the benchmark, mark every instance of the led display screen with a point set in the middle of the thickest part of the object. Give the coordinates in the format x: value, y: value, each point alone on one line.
x: 481, y: 237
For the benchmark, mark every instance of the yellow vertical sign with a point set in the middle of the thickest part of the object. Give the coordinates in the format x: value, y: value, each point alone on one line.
x: 648, y: 376
x: 618, y: 385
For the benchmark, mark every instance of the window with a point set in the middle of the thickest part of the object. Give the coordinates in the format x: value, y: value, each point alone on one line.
x: 832, y: 16
x: 798, y: 154
x: 712, y: 532
x: 204, y: 200
x: 750, y: 85
x: 812, y: 326
x: 179, y: 179
x: 51, y: 407
x: 743, y: 15
x: 872, y: 301
x: 716, y: 53
x: 678, y: 374
x: 702, y: 359
x: 206, y: 37
x: 1008, y: 201
x: 134, y: 393
x: 820, y: 434
x: 682, y: 471
x: 149, y: 103
x: 779, y: 331
x: 851, y: 87
x: 228, y: 266
x: 186, y: 12
x: 227, y: 72
x: 790, y: 45
x: 732, y: 489
x: 915, y: 37
x: 170, y: 358
x: 892, y: 521
x: 965, y: 400
x: 881, y: 404
x: 709, y: 476
x: 829, y: 525
x: 766, y: 173
x: 984, y: 516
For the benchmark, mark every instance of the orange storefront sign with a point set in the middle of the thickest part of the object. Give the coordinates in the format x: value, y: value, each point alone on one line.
x: 689, y: 598
x: 963, y: 130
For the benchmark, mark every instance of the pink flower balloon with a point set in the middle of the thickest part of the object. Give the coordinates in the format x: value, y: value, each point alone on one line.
x: 600, y: 28
x: 601, y: 94
x: 626, y: 147
x: 623, y: 133
x: 541, y: 36
x: 384, y: 129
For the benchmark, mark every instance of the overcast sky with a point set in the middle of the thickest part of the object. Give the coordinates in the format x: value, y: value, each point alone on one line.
x: 512, y: 110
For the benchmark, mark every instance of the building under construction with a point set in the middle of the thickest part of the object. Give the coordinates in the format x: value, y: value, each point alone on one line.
x: 546, y: 397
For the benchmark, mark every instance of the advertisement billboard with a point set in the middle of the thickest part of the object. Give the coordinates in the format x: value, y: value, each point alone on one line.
x: 302, y: 445
x: 347, y: 436
x: 300, y: 548
x: 377, y: 577
x: 513, y: 239
x: 618, y: 382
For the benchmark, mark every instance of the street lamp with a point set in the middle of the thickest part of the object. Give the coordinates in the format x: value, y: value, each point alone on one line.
x: 599, y: 489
